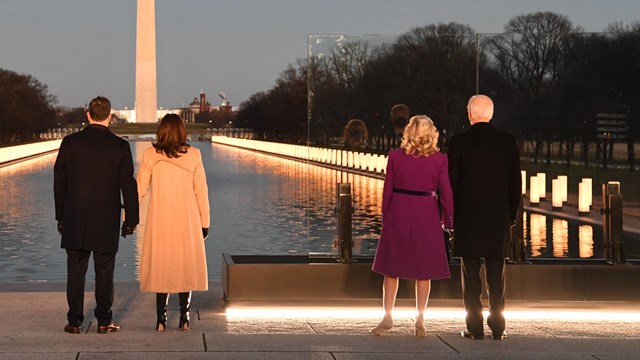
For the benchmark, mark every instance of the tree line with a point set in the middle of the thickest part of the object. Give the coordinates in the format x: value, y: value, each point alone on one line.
x: 26, y: 107
x: 548, y: 78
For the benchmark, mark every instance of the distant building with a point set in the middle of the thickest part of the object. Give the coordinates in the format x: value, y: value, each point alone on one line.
x: 188, y: 113
x: 129, y: 115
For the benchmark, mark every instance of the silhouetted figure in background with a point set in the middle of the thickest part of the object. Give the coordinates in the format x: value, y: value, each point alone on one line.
x: 400, y: 115
x: 355, y: 135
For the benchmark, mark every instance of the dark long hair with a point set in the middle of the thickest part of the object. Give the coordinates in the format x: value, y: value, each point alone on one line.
x: 171, y: 139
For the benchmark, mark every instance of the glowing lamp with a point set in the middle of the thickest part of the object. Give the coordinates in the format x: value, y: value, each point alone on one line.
x: 542, y: 185
x: 588, y: 189
x: 523, y: 175
x: 556, y: 194
x: 563, y: 186
x: 583, y: 200
x: 534, y: 191
x: 367, y: 162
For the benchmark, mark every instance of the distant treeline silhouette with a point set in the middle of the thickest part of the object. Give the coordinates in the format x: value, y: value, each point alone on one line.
x: 548, y: 78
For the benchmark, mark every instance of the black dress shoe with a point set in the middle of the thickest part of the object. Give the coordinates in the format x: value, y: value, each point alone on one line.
x: 499, y: 336
x: 467, y: 334
x: 113, y: 327
x: 72, y: 329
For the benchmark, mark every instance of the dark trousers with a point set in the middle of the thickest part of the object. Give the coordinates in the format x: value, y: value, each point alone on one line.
x: 472, y: 290
x: 104, y: 265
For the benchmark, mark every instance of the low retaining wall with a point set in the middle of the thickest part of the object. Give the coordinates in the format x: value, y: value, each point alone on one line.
x: 263, y: 277
x: 11, y: 154
x: 353, y: 160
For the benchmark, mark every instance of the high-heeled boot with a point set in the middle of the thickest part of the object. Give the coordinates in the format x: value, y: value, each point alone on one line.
x: 185, y: 308
x: 162, y: 299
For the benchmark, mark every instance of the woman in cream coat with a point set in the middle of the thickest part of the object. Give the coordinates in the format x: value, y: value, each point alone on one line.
x: 173, y: 251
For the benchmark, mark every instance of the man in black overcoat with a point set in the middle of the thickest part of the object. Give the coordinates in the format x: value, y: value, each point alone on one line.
x: 484, y: 168
x: 93, y: 168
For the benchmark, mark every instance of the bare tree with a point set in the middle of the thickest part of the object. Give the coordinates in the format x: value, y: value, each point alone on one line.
x: 439, y: 71
x: 531, y: 56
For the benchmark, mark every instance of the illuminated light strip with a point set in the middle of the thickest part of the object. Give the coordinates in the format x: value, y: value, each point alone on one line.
x: 367, y: 313
x: 16, y: 152
x: 347, y: 159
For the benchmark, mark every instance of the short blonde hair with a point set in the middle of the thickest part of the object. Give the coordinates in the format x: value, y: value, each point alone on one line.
x: 420, y: 137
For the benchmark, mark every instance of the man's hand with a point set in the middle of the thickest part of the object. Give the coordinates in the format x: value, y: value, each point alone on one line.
x: 205, y: 233
x: 60, y: 227
x: 127, y: 230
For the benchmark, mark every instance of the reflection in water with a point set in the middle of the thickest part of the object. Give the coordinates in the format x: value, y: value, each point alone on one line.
x: 537, y: 234
x: 560, y: 237
x: 26, y: 217
x: 260, y: 204
x: 585, y: 236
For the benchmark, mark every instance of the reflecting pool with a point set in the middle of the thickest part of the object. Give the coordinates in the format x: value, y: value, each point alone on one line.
x: 260, y: 204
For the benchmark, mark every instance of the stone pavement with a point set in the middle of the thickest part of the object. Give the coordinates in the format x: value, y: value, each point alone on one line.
x: 33, y: 316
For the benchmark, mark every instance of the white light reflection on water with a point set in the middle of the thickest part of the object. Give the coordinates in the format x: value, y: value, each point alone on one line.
x: 260, y: 204
x: 585, y: 236
x: 537, y: 234
x: 560, y: 236
x: 30, y: 251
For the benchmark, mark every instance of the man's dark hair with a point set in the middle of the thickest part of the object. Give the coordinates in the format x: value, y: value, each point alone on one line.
x: 99, y: 108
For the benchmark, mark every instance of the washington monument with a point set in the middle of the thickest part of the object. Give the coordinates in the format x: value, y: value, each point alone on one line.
x: 146, y: 104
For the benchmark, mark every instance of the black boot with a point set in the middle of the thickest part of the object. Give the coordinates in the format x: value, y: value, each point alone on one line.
x: 185, y: 307
x: 161, y: 310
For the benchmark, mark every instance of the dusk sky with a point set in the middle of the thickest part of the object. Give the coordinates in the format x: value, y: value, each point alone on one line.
x: 82, y: 48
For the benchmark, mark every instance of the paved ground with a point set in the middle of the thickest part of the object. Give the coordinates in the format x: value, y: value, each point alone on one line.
x: 33, y: 317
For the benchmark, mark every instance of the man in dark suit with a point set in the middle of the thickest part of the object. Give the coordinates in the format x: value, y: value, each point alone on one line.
x: 92, y: 169
x: 484, y: 168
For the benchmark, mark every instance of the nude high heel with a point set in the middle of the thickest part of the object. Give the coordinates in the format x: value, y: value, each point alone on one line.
x: 420, y: 330
x: 385, y: 325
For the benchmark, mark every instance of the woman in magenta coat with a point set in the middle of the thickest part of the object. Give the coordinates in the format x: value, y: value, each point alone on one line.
x: 417, y: 205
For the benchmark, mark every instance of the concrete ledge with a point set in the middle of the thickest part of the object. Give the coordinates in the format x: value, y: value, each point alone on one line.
x: 253, y: 277
x: 13, y: 154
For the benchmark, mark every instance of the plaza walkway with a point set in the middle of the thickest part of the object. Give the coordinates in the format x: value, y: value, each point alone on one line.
x: 33, y: 316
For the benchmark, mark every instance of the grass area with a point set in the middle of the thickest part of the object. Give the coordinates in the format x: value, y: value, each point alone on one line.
x: 629, y: 180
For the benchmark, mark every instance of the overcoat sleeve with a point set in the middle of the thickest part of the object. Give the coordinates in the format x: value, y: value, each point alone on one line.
x: 454, y: 165
x: 387, y: 190
x: 445, y: 195
x: 144, y: 178
x: 60, y: 181
x: 515, y: 183
x: 129, y: 189
x: 202, y: 192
